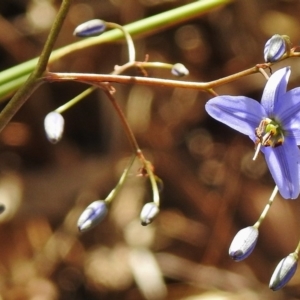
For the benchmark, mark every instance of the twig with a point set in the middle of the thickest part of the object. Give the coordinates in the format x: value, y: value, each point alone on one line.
x: 34, y: 79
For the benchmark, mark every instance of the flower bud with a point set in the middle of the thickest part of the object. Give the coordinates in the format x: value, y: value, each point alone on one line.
x: 243, y: 243
x: 54, y: 126
x: 148, y: 213
x: 179, y: 70
x: 276, y: 47
x: 92, y: 215
x: 284, y: 272
x: 90, y: 28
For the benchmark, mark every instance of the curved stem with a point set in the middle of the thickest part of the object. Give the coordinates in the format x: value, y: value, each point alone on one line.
x: 115, y: 191
x: 134, y: 144
x: 129, y: 41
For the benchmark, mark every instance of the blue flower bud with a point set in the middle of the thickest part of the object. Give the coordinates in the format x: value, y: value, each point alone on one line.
x: 243, y: 243
x: 284, y: 272
x: 54, y: 126
x: 179, y: 70
x: 92, y: 215
x: 276, y: 47
x: 148, y: 213
x: 90, y: 28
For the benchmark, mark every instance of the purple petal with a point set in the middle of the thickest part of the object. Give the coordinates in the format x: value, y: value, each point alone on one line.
x: 283, y: 162
x: 238, y: 112
x: 288, y: 113
x: 274, y: 89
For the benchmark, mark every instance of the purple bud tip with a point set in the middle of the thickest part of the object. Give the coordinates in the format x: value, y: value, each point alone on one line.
x: 90, y: 28
x: 92, y: 215
x: 148, y: 213
x: 284, y: 272
x: 243, y: 243
x: 275, y: 48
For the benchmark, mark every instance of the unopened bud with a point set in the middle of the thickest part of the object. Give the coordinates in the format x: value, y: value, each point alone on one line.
x: 92, y: 215
x: 148, y: 213
x: 243, y: 243
x: 276, y: 47
x: 90, y: 28
x: 179, y: 70
x: 54, y: 126
x: 284, y: 272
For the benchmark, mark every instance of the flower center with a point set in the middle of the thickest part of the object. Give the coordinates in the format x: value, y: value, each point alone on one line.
x: 269, y: 133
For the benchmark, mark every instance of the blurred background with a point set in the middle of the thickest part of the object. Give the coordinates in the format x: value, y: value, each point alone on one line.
x: 212, y: 188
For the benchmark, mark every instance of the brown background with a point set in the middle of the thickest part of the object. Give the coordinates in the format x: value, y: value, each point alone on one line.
x: 212, y: 188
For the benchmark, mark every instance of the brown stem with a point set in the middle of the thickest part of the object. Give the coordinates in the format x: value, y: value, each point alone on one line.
x: 100, y: 78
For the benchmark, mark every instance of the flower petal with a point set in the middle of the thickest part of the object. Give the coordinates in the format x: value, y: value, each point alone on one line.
x: 288, y: 108
x: 274, y: 89
x: 238, y: 112
x: 283, y: 162
x: 288, y: 113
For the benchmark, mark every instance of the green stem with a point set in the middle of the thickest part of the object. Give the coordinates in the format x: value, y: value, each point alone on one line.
x: 115, y: 191
x: 75, y: 100
x: 34, y: 79
x: 142, y: 27
x: 298, y: 248
x: 128, y: 38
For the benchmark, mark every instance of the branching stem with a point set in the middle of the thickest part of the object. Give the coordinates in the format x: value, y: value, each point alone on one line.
x: 34, y: 80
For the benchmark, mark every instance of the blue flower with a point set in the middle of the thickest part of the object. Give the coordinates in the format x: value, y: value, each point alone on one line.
x: 273, y: 124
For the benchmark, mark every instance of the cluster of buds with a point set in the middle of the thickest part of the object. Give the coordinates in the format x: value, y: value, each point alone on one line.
x: 54, y: 127
x: 244, y: 243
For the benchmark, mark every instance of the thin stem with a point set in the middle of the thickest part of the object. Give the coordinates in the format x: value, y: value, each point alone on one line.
x: 256, y: 151
x: 125, y: 124
x: 115, y: 191
x: 34, y: 79
x: 134, y: 144
x: 99, y: 78
x: 129, y: 41
x: 143, y: 27
x: 131, y: 54
x: 267, y: 207
x: 298, y: 248
x: 75, y: 100
x: 118, y: 70
x: 263, y: 72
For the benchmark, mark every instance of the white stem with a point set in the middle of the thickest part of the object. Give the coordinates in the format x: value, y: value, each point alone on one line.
x: 257, y: 151
x: 267, y: 207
